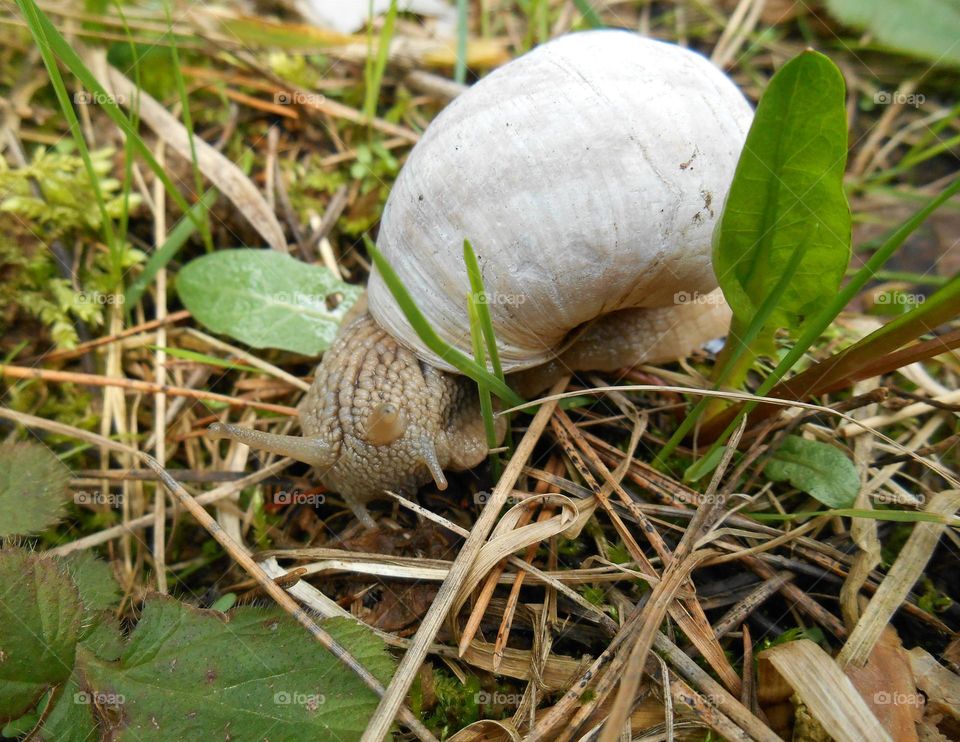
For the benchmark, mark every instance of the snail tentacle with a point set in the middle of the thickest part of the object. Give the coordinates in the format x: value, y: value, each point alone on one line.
x: 308, y: 450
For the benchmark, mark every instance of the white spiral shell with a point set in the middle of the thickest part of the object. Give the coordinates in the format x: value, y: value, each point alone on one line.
x: 588, y: 175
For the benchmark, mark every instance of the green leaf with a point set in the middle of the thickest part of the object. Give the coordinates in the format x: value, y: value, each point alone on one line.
x: 40, y: 616
x: 787, y: 195
x: 266, y: 299
x: 194, y: 674
x: 33, y: 488
x: 704, y: 465
x: 71, y: 719
x: 924, y: 28
x: 94, y: 579
x: 192, y: 355
x: 817, y: 468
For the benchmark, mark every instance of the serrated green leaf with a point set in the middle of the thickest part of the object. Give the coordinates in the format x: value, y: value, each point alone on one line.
x: 266, y: 299
x: 817, y: 468
x: 72, y: 717
x: 787, y: 195
x: 40, y: 616
x: 94, y: 579
x: 196, y: 674
x: 33, y: 488
x: 924, y: 28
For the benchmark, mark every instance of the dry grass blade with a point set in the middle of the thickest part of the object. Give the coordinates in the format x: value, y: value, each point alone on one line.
x: 826, y: 692
x: 430, y: 624
x: 509, y: 536
x: 227, y: 177
x: 896, y: 585
x: 69, y: 377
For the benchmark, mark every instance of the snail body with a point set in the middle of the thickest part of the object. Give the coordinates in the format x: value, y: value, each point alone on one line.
x: 589, y: 175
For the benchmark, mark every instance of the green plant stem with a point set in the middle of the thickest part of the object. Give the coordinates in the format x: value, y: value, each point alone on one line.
x: 463, y: 26
x: 737, y: 360
x: 486, y: 322
x: 486, y: 404
x: 49, y: 38
x: 34, y: 17
x: 434, y: 342
x: 204, y: 225
x: 822, y: 320
x: 375, y: 68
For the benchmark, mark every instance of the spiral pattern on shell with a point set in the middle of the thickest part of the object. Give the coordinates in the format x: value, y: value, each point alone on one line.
x: 588, y: 174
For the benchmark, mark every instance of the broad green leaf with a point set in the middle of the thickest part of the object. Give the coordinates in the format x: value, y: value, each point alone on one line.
x: 93, y: 578
x: 40, y: 616
x: 33, y: 488
x: 787, y: 195
x: 72, y: 717
x: 924, y: 28
x: 817, y: 468
x: 74, y: 712
x: 194, y: 674
x: 266, y: 299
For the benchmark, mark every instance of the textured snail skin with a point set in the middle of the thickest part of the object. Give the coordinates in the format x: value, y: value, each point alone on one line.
x: 589, y: 174
x: 439, y: 412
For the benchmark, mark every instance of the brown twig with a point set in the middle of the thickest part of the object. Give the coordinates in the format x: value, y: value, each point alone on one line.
x: 69, y: 377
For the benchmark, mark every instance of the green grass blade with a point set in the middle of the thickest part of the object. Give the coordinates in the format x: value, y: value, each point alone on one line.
x: 483, y: 307
x: 741, y: 345
x: 486, y: 404
x: 486, y: 322
x: 588, y: 13
x: 169, y: 249
x: 46, y: 44
x: 822, y: 320
x: 192, y: 355
x: 434, y: 342
x: 46, y: 34
x: 374, y: 72
x: 188, y: 125
x: 463, y: 24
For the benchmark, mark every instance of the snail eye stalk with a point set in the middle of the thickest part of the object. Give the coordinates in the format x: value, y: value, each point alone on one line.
x: 308, y: 450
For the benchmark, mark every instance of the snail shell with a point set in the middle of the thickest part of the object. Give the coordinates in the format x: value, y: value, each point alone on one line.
x: 588, y: 174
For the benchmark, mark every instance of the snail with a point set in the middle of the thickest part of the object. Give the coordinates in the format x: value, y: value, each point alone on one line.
x: 588, y: 174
